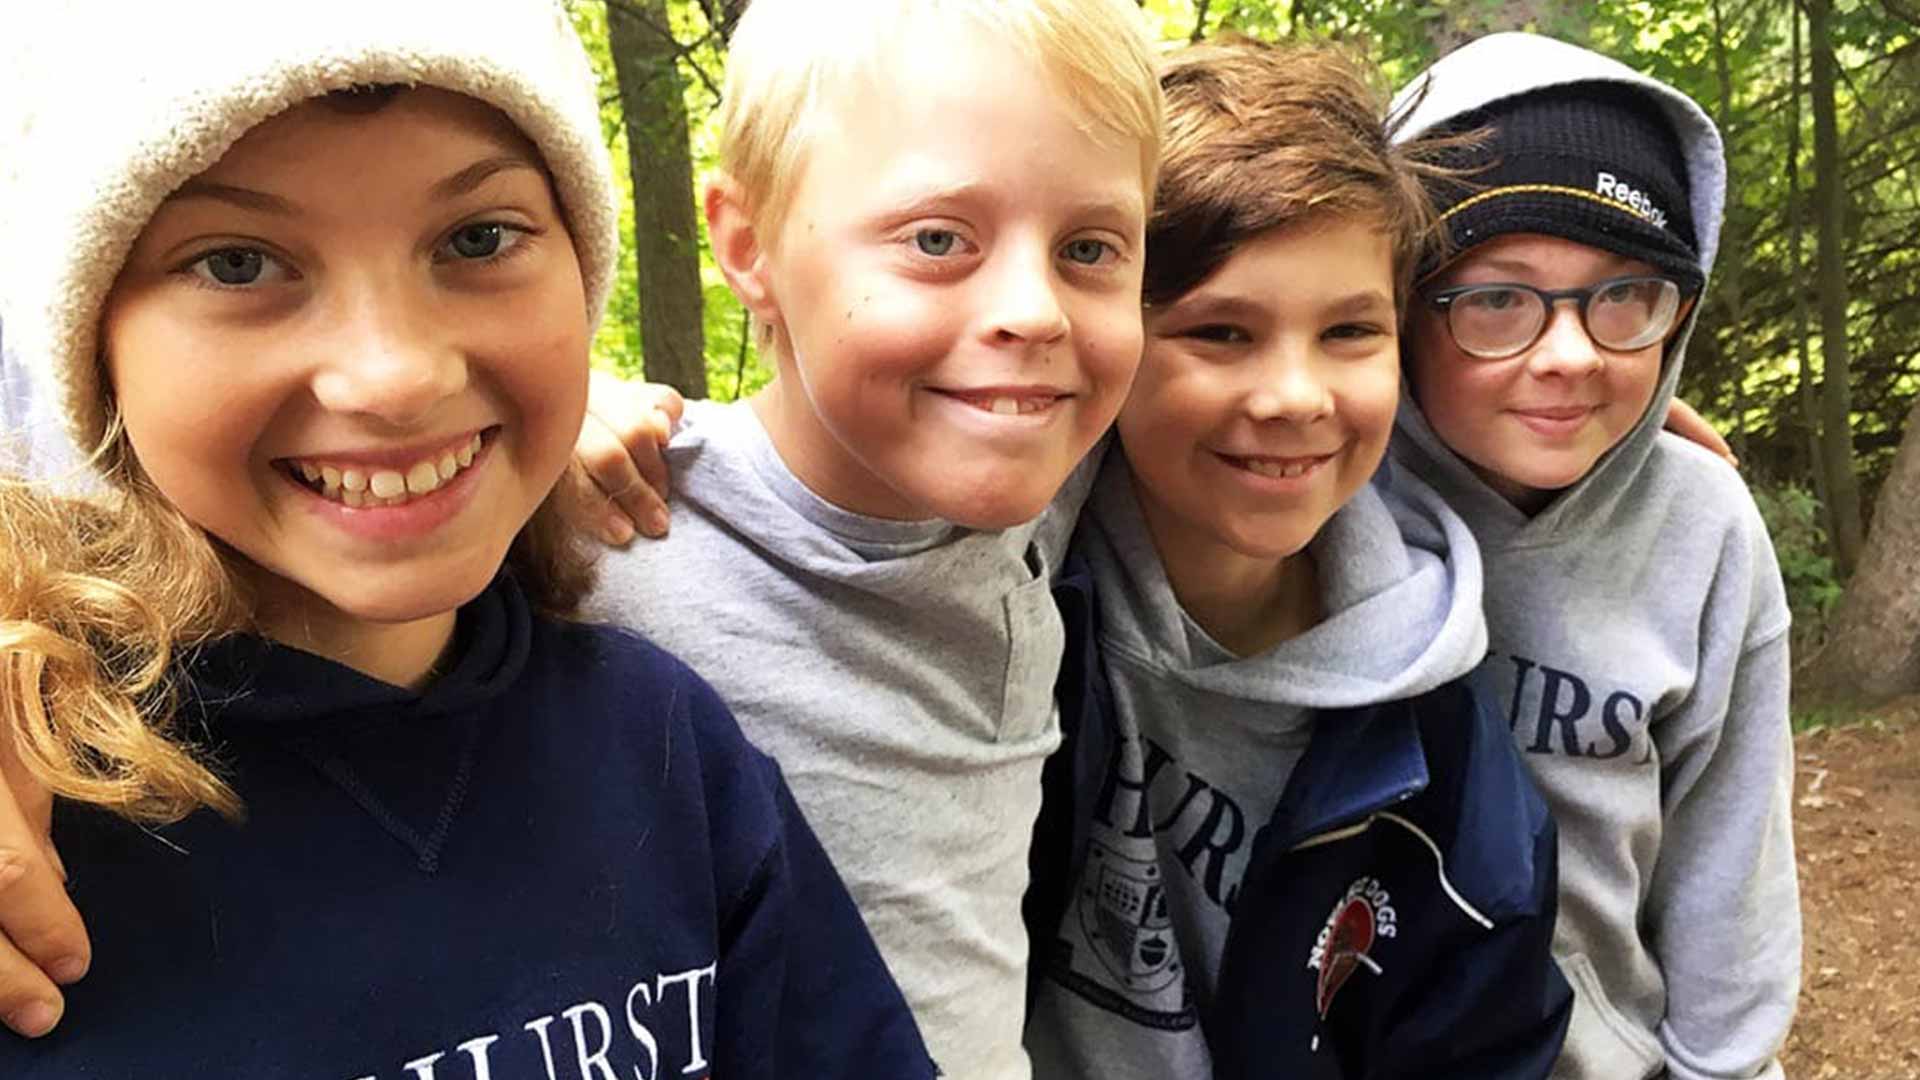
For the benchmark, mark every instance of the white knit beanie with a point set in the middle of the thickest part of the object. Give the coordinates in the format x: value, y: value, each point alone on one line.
x: 112, y: 104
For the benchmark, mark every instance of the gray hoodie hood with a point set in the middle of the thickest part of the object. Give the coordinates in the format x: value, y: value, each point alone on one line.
x: 1399, y: 578
x: 1473, y: 77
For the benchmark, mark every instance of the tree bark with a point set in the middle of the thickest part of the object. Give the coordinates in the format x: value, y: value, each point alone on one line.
x: 1843, y: 487
x: 1733, y: 278
x: 1461, y: 21
x: 1809, y: 402
x: 666, y: 232
x: 1873, y: 640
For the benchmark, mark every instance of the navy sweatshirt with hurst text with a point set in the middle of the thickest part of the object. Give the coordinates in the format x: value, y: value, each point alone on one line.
x: 562, y: 861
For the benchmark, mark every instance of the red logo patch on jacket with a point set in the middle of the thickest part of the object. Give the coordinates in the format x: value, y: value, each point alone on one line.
x: 1363, y: 916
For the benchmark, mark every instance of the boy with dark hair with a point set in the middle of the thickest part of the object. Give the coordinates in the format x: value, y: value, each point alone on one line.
x: 1284, y: 837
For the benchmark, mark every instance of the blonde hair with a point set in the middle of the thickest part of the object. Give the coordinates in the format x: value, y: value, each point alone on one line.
x: 788, y: 58
x: 102, y: 602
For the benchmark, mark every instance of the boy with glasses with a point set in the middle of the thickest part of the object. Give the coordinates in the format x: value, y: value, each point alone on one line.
x: 1637, y: 621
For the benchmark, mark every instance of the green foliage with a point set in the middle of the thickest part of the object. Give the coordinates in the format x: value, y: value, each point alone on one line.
x: 1748, y: 377
x: 1792, y: 516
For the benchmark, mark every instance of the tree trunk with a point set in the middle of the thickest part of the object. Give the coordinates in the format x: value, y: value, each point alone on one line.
x: 1873, y: 641
x: 1843, y: 487
x: 1809, y: 404
x: 666, y: 238
x: 1461, y: 21
x: 1733, y: 277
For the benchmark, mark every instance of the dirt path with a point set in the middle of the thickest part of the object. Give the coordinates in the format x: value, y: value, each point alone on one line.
x: 1857, y: 831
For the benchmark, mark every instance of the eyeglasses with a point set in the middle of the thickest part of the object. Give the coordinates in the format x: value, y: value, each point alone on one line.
x: 1496, y: 321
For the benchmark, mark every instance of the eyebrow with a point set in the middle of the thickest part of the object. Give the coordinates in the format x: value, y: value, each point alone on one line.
x: 936, y: 199
x: 471, y: 177
x: 244, y: 198
x: 460, y: 183
x: 1230, y: 306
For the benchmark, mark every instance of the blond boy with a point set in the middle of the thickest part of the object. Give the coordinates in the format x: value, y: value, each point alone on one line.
x: 935, y: 212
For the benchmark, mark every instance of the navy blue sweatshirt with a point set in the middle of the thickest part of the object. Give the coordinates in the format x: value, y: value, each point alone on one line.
x: 560, y: 862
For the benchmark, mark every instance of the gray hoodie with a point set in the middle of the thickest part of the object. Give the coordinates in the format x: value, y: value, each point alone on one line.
x: 1638, y: 636
x: 1216, y: 736
x: 902, y: 674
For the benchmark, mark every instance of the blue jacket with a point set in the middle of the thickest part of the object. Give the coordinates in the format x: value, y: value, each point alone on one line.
x: 1328, y: 973
x: 560, y: 861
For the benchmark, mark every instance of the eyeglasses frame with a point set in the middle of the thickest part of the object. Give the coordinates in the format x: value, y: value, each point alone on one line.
x: 1441, y: 300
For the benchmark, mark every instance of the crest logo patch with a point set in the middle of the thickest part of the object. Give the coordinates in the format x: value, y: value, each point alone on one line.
x: 1363, y: 916
x: 1123, y: 912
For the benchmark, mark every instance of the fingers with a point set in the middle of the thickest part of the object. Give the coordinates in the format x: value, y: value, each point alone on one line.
x: 30, y: 1003
x: 623, y: 498
x: 1685, y: 421
x: 621, y: 444
x: 44, y: 941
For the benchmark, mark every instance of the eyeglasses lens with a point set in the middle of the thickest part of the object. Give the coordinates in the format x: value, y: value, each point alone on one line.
x: 1495, y: 321
x: 1633, y: 313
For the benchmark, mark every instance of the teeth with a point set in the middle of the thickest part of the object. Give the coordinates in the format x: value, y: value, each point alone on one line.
x: 1006, y: 406
x: 1277, y: 468
x: 423, y: 478
x: 386, y: 483
x: 388, y: 487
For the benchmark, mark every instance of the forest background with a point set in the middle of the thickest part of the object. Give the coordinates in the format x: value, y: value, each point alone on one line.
x: 1807, y: 355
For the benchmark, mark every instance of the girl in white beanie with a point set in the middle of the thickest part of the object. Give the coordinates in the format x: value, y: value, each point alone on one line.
x: 341, y: 797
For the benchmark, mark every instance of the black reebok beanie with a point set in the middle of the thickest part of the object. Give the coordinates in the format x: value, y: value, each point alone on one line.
x: 1596, y: 163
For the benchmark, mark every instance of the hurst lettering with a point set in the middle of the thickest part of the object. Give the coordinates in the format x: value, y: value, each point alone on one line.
x: 1551, y: 711
x: 584, y: 1042
x: 1147, y: 793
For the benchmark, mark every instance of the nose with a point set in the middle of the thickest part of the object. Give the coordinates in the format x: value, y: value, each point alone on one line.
x: 1288, y: 386
x: 1023, y: 302
x: 1565, y: 348
x: 387, y: 361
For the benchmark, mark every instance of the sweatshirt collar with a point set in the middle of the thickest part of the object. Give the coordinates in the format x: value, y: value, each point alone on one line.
x: 251, y: 684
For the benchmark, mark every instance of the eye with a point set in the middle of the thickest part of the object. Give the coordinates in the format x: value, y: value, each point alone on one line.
x: 1491, y: 299
x: 936, y: 242
x: 1352, y: 331
x: 1087, y: 252
x: 480, y: 241
x: 1220, y: 333
x: 237, y: 268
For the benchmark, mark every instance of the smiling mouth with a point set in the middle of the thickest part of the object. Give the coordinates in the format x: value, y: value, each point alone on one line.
x: 1277, y: 468
x: 1007, y: 403
x: 366, y: 487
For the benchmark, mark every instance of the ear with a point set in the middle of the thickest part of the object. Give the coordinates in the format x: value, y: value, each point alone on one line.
x: 738, y: 251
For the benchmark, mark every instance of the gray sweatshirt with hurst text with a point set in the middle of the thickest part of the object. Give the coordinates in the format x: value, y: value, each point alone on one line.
x: 1638, y: 644
x: 902, y: 675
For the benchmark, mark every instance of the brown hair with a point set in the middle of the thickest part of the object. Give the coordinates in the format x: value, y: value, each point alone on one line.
x: 1262, y: 135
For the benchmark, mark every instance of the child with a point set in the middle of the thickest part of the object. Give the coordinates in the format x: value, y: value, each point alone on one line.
x: 1637, y: 620
x: 1284, y: 838
x: 320, y: 284
x: 944, y: 260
